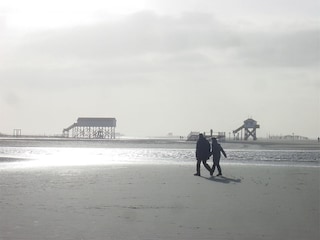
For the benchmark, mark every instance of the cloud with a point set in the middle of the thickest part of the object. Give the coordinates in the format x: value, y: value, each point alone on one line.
x: 139, y: 34
x: 145, y: 45
x: 140, y: 44
x: 146, y: 33
x: 12, y: 99
x: 298, y: 48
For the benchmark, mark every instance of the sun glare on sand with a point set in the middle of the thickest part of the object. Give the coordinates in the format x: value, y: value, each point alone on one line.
x: 73, y: 157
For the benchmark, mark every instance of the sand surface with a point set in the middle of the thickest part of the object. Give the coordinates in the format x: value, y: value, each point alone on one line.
x: 140, y: 202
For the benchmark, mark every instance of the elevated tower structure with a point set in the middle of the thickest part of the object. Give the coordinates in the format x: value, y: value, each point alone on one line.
x: 249, y: 126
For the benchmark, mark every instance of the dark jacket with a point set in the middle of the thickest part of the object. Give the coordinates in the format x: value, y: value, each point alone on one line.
x: 203, y: 149
x: 216, y: 151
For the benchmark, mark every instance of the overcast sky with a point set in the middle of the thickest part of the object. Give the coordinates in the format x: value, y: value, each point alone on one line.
x: 160, y: 66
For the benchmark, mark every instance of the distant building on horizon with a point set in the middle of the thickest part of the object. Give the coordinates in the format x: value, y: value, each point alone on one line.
x: 194, y: 136
x: 288, y: 137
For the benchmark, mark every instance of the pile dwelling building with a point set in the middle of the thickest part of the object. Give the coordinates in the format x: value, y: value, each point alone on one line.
x: 92, y: 128
x: 250, y: 127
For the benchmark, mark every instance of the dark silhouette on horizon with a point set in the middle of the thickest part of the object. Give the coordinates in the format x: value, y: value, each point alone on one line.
x: 216, y: 151
x: 202, y: 153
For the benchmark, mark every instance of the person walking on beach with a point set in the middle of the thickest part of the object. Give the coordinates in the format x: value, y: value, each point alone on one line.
x: 216, y: 151
x: 202, y: 153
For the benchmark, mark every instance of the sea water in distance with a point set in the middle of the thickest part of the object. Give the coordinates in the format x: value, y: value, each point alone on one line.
x: 30, y: 153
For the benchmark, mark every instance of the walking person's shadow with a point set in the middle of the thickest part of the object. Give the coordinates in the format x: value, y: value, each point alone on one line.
x: 223, y: 179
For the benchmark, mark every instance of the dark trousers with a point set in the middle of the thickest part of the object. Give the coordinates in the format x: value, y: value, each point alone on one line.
x: 204, y: 164
x: 216, y: 163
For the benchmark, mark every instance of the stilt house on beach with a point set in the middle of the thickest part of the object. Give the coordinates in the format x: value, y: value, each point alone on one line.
x: 249, y: 126
x: 92, y: 128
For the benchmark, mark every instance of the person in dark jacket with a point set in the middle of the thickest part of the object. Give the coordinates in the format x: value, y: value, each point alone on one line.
x: 216, y: 151
x: 202, y: 153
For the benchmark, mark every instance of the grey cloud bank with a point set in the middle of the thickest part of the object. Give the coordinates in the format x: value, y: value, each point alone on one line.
x: 160, y: 73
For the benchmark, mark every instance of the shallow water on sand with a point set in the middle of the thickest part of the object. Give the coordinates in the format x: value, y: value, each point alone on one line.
x: 46, y: 153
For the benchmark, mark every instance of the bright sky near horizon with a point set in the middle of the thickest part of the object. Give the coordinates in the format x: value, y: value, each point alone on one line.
x: 160, y: 66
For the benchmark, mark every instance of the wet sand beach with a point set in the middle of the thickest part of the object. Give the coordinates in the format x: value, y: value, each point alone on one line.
x: 141, y: 201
